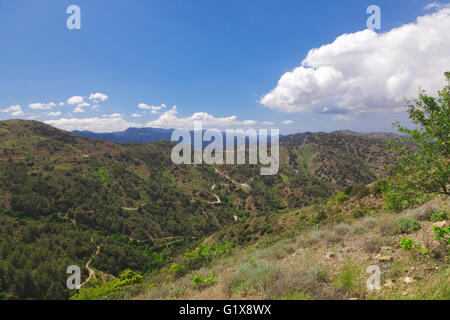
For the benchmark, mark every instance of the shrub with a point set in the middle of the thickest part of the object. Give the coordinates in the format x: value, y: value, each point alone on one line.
x: 442, y: 234
x: 318, y: 274
x: 103, y: 290
x: 274, y: 281
x: 319, y: 217
x: 202, y: 282
x: 198, y: 280
x: 250, y: 275
x: 359, y: 212
x: 439, y: 215
x: 408, y: 244
x: 342, y: 229
x: 176, y: 269
x: 405, y: 225
x: 341, y: 197
x: 332, y: 237
x: 203, y: 255
x: 348, y: 278
x: 369, y: 222
x: 372, y: 245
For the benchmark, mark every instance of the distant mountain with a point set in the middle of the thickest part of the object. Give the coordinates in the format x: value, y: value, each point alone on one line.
x: 142, y: 135
x: 150, y: 135
x: 372, y: 135
x: 139, y: 135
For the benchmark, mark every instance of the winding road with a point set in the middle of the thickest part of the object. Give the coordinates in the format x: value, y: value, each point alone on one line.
x: 91, y: 271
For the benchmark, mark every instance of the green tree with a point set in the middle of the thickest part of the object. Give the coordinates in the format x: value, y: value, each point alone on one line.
x: 424, y: 170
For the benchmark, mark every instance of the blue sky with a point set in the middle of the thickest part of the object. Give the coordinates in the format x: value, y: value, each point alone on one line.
x: 218, y: 59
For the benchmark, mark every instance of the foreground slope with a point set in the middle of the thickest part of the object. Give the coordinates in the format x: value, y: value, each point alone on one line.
x: 315, y: 256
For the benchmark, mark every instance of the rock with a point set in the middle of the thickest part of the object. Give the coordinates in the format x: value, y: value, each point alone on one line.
x: 385, y: 258
x: 440, y: 224
x: 389, y: 284
x: 408, y: 280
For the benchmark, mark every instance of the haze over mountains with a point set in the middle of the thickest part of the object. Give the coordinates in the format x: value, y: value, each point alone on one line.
x: 149, y: 135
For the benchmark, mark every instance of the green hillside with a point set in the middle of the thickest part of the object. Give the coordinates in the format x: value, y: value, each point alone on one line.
x: 62, y: 196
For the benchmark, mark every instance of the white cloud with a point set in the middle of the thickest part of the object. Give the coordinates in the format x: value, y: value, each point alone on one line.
x: 136, y: 115
x: 54, y: 114
x: 154, y: 109
x: 83, y: 105
x: 169, y: 119
x: 75, y: 100
x: 96, y: 97
x: 288, y: 122
x: 95, y: 107
x: 78, y: 110
x: 18, y: 113
x: 93, y: 124
x: 435, y: 5
x: 42, y: 106
x: 368, y: 72
x: 114, y: 115
x: 61, y: 104
x: 14, y: 110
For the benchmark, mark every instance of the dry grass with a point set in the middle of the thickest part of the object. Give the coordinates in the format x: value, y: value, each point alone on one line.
x: 298, y: 267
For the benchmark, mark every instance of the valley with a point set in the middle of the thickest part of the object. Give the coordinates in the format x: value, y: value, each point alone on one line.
x: 139, y: 207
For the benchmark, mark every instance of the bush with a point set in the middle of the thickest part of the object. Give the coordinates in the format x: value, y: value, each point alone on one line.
x: 103, y: 290
x: 250, y: 275
x: 176, y: 270
x: 332, y: 237
x: 442, y: 234
x: 202, y: 282
x: 359, y: 212
x: 272, y: 281
x: 370, y: 222
x: 203, y: 255
x: 405, y: 225
x: 440, y: 215
x: 348, y: 278
x: 408, y: 244
x: 342, y: 229
x: 341, y: 197
x: 318, y: 274
x: 372, y: 245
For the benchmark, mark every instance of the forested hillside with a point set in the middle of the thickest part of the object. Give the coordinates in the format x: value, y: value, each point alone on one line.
x: 62, y: 196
